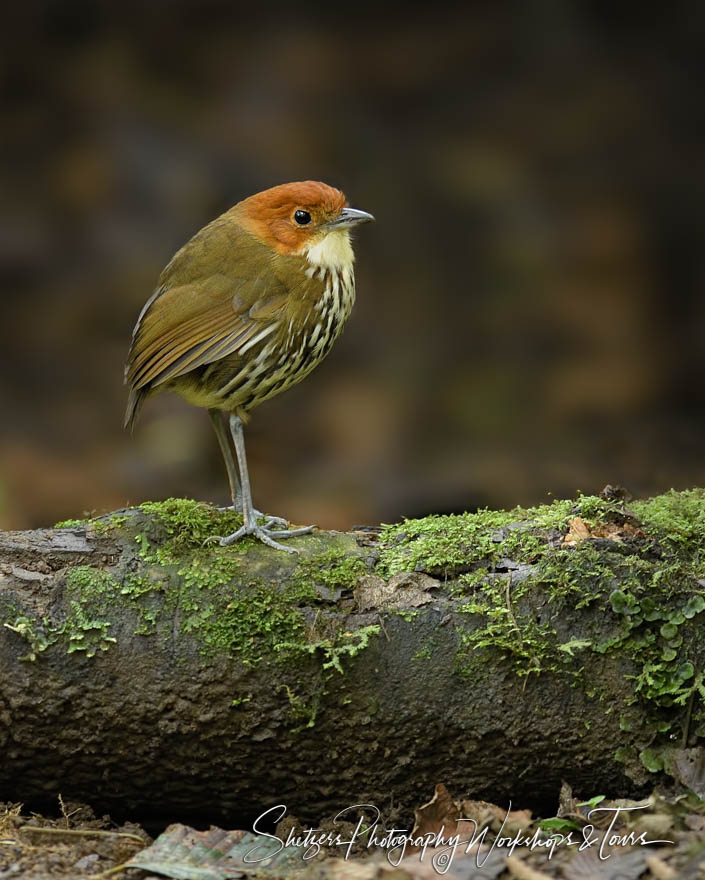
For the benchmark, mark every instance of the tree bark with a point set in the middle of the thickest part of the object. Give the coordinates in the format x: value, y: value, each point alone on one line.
x: 219, y: 685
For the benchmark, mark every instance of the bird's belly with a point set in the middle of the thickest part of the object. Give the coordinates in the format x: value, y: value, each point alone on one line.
x: 275, y: 369
x: 284, y: 359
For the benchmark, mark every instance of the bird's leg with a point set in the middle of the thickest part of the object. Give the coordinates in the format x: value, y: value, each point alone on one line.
x: 218, y: 421
x: 249, y: 514
x: 221, y: 432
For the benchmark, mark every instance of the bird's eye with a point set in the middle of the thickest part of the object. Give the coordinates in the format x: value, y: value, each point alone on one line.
x: 303, y: 218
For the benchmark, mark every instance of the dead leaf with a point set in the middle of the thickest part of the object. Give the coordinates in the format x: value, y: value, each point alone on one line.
x: 660, y: 869
x: 694, y: 822
x: 483, y: 865
x: 404, y: 590
x: 616, y: 531
x: 688, y: 767
x: 356, y: 869
x: 439, y: 815
x: 182, y: 853
x: 518, y: 868
x: 487, y: 814
x: 566, y: 802
x: 481, y: 813
x: 619, y: 865
x: 579, y: 530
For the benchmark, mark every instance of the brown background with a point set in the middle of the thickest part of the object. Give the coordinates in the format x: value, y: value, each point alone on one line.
x: 530, y: 313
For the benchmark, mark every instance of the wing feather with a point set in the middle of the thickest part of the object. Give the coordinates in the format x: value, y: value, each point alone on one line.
x: 186, y: 328
x: 198, y: 316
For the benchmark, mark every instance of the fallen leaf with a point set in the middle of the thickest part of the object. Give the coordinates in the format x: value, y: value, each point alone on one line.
x: 660, y: 869
x: 183, y: 853
x: 694, y: 822
x: 579, y: 530
x: 439, y: 815
x: 566, y: 802
x: 485, y: 813
x: 588, y: 865
x: 404, y: 590
x: 688, y: 767
x: 518, y: 868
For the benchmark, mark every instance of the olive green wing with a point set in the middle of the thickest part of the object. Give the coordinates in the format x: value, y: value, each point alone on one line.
x: 184, y: 327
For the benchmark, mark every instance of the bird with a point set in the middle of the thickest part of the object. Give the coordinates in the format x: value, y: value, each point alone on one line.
x: 243, y: 311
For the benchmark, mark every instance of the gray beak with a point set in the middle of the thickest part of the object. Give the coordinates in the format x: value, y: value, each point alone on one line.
x: 349, y: 217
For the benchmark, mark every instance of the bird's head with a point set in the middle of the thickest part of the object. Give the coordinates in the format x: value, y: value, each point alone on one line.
x: 308, y: 218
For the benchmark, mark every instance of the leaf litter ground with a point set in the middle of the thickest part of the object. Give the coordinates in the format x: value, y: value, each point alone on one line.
x: 76, y: 844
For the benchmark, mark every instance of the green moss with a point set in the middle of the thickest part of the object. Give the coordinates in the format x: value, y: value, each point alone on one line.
x: 303, y: 709
x: 407, y: 614
x: 85, y: 626
x: 99, y: 525
x: 644, y: 588
x: 677, y: 519
x: 87, y: 583
x: 28, y: 629
x: 251, y: 626
x: 183, y: 571
x: 450, y: 544
x: 185, y: 523
x: 334, y: 650
x: 102, y: 525
x: 203, y: 581
x: 71, y: 523
x: 519, y: 637
x: 331, y: 570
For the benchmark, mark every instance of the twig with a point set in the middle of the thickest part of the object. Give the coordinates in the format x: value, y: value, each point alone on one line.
x: 83, y: 833
x: 686, y: 725
x: 381, y: 623
x: 118, y: 869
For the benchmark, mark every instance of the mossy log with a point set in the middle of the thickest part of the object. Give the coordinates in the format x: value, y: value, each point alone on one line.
x: 499, y: 652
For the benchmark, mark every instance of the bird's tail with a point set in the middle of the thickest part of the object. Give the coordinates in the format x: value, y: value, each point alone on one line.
x: 134, y: 405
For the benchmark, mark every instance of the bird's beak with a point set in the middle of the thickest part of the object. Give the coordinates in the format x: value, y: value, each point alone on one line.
x: 349, y: 217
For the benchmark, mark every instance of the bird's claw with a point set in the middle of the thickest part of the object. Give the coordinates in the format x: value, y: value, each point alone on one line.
x: 264, y: 534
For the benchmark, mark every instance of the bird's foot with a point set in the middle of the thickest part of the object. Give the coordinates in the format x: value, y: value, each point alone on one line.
x: 274, y: 520
x: 264, y: 533
x: 270, y: 520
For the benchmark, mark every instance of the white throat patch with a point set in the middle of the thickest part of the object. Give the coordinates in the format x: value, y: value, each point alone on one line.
x: 332, y: 252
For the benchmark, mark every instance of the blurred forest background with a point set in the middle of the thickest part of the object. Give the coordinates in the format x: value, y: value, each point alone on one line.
x: 531, y: 304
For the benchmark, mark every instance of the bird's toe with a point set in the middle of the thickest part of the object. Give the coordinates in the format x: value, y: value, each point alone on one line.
x: 265, y: 534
